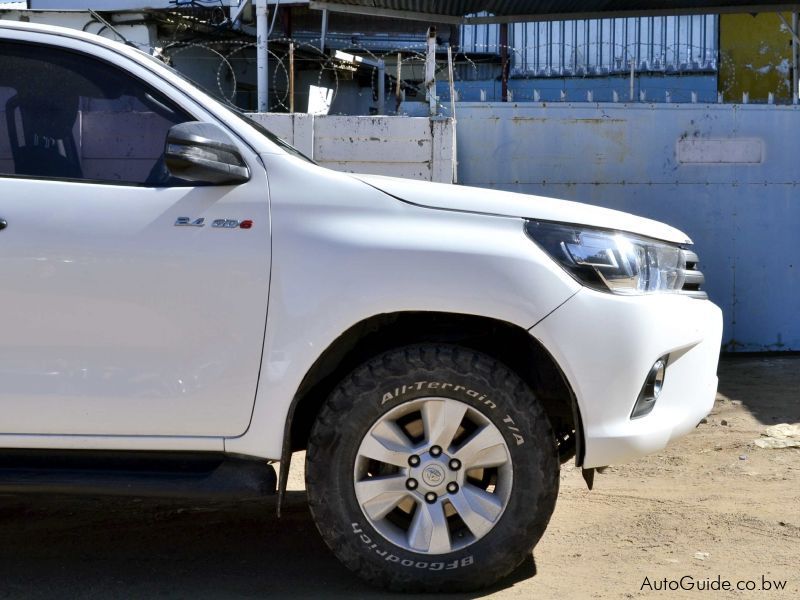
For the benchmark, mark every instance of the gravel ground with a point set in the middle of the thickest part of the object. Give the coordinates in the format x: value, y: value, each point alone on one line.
x: 711, y: 505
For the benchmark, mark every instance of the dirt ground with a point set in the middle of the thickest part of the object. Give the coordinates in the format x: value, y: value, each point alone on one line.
x: 712, y: 504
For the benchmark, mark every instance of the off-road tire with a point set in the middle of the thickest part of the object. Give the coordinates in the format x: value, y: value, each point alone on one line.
x: 391, y: 380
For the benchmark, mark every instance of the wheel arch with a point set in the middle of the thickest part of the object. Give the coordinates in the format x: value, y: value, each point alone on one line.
x: 501, y: 340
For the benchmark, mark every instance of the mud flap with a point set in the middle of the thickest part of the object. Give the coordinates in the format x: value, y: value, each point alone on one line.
x: 588, y: 477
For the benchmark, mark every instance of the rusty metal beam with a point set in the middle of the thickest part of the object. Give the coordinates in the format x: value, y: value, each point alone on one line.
x: 448, y: 12
x: 600, y: 14
x: 387, y: 12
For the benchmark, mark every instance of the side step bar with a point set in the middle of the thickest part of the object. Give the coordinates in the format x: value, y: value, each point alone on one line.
x: 145, y: 474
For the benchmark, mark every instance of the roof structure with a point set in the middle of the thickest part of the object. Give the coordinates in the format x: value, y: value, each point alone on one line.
x: 499, y: 11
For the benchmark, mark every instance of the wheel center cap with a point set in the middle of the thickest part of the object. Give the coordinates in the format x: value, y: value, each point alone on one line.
x: 433, y: 475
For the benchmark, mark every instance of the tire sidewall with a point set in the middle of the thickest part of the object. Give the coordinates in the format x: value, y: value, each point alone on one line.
x: 532, y: 450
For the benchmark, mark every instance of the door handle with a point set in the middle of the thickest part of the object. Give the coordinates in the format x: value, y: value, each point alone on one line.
x: 3, y: 224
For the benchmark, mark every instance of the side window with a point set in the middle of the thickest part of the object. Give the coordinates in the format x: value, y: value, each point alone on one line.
x: 65, y: 115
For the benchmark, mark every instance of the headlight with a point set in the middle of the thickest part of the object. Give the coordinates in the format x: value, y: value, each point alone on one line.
x: 610, y: 261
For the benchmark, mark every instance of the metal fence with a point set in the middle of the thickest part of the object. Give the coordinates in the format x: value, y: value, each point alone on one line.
x: 602, y: 46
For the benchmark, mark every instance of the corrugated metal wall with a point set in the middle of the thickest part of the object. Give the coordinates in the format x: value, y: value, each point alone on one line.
x: 599, y: 46
x: 725, y: 174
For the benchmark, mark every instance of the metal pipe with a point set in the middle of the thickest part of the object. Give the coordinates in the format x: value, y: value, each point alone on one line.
x: 324, y: 32
x: 588, y: 45
x: 600, y: 36
x: 638, y: 42
x: 625, y: 42
x: 704, y: 41
x: 526, y: 55
x: 519, y: 35
x: 612, y: 54
x: 291, y: 77
x: 262, y: 56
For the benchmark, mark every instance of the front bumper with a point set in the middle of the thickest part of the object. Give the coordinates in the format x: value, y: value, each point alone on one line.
x: 605, y: 346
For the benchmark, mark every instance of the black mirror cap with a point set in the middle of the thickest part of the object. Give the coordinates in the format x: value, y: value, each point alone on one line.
x: 204, y: 153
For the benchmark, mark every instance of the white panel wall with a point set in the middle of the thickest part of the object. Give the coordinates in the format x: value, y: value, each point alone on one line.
x: 411, y: 147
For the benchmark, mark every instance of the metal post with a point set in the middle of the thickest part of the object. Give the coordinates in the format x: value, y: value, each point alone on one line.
x: 324, y: 33
x: 381, y: 87
x: 262, y: 55
x: 795, y: 59
x: 291, y: 77
x: 430, y: 71
x: 612, y: 46
x: 633, y: 74
x: 452, y: 82
x: 704, y: 40
x: 504, y: 61
x: 398, y: 91
x: 638, y: 42
x: 624, y: 43
x: 588, y: 45
x: 452, y: 107
x: 600, y: 32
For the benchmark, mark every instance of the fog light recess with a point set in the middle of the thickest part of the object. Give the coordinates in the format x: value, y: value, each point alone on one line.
x: 651, y: 389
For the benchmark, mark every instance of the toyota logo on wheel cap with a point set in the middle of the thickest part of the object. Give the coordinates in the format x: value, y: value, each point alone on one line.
x: 433, y: 475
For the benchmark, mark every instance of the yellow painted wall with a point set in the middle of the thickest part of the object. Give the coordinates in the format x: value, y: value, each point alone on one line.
x: 755, y: 57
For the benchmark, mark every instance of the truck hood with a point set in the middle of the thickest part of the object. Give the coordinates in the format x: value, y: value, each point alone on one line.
x: 508, y: 204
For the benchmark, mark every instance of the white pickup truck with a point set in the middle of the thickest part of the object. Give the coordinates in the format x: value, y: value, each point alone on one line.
x: 186, y: 300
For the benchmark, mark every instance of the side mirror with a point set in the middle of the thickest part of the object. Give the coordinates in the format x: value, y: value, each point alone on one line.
x: 205, y: 153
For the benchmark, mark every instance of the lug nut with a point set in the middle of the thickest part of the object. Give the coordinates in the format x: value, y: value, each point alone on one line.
x: 411, y: 484
x: 430, y: 497
x: 413, y: 460
x: 455, y: 464
x: 435, y: 451
x: 452, y: 487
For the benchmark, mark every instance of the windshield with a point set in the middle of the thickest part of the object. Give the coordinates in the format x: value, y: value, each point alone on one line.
x: 235, y: 110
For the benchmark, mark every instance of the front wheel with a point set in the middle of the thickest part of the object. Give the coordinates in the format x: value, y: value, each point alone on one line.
x: 432, y: 468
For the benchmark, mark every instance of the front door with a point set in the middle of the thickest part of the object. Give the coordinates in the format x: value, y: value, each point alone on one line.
x: 113, y: 320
